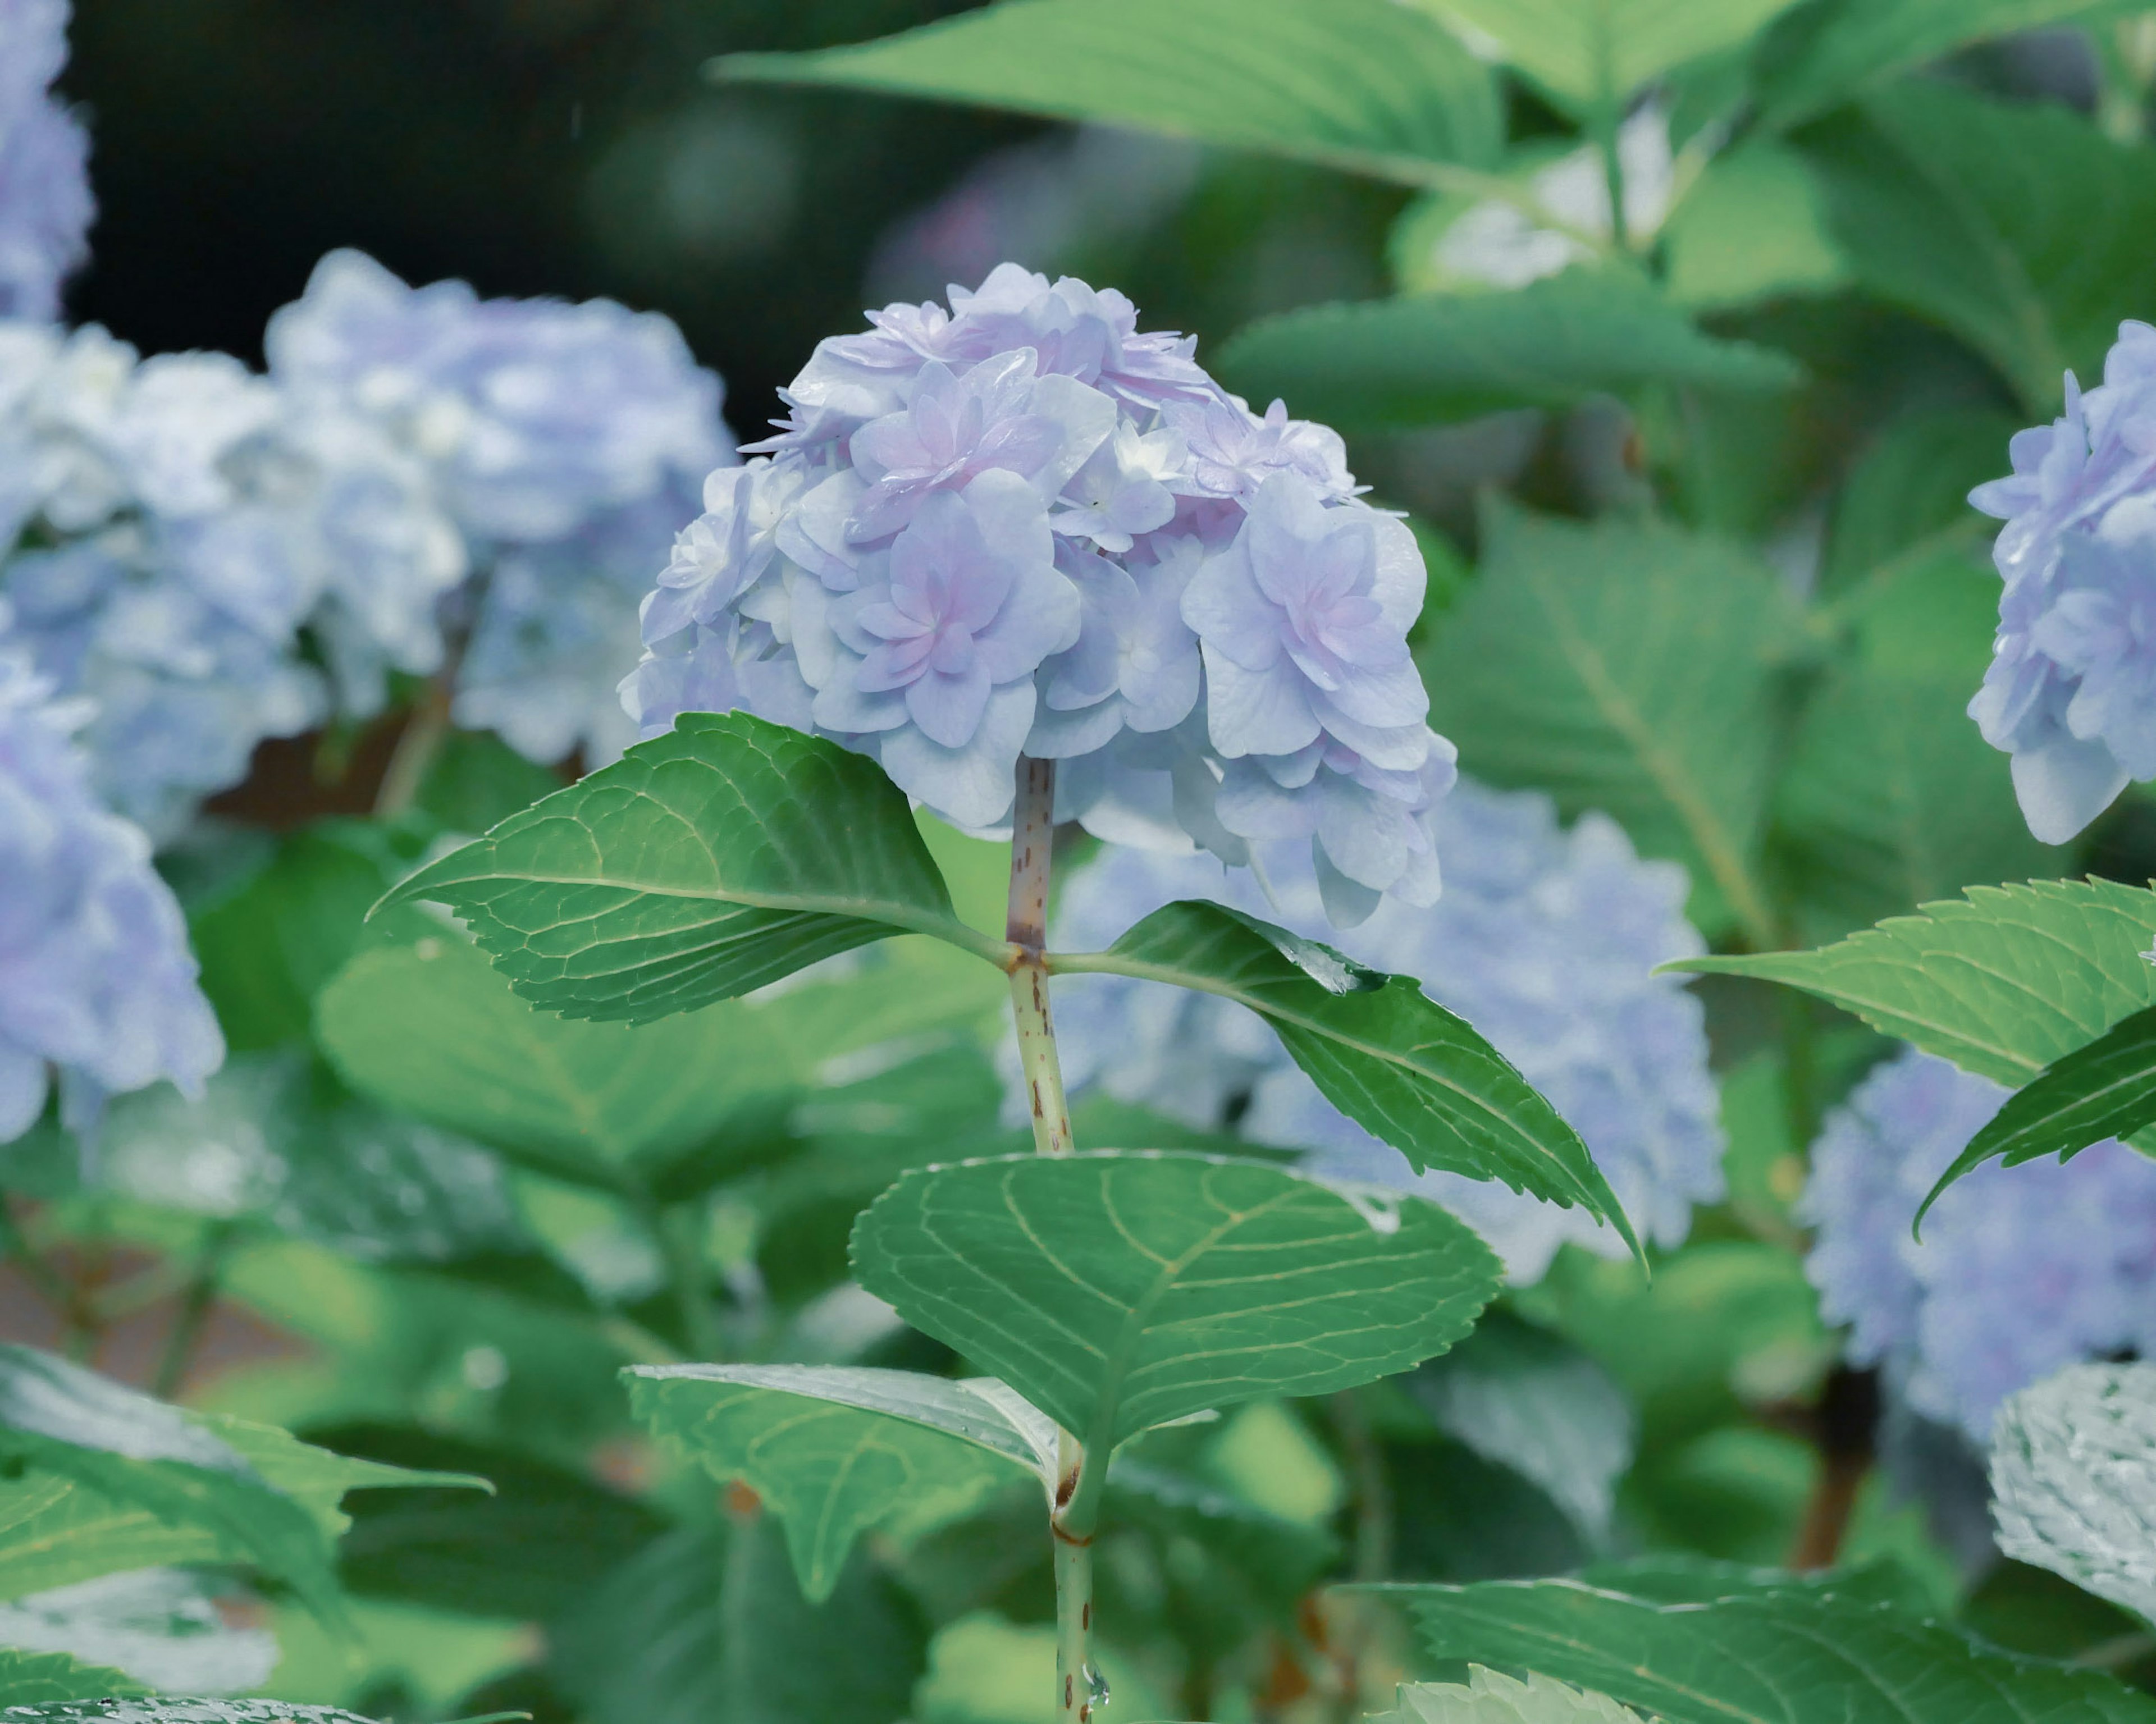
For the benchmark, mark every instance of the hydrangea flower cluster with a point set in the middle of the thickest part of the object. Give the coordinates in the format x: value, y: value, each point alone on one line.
x: 563, y: 443
x: 95, y: 976
x: 2070, y: 691
x: 2020, y: 1270
x: 45, y: 205
x: 1017, y: 525
x: 1544, y: 939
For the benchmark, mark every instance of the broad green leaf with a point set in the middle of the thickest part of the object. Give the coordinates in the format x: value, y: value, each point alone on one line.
x: 1833, y: 49
x: 2002, y: 982
x: 1359, y: 85
x: 2013, y: 224
x: 432, y: 1029
x: 1119, y: 1291
x: 116, y: 1480
x: 1278, y: 1557
x: 1423, y: 357
x: 1674, y: 1578
x: 1890, y: 800
x: 41, y: 1679
x: 701, y: 864
x: 526, y: 1552
x: 1383, y: 1052
x: 1910, y: 493
x: 705, y: 1624
x: 2073, y: 1480
x: 1787, y: 1657
x: 1491, y: 1697
x: 160, y: 1626
x: 1632, y: 667
x: 1526, y: 1400
x: 1751, y: 228
x: 834, y: 1451
x: 168, y: 1709
x: 2107, y: 1089
x: 1592, y: 54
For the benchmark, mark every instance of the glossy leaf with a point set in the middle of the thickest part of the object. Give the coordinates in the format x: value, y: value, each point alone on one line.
x: 1421, y: 358
x: 1592, y: 54
x: 2107, y: 1089
x: 1359, y: 85
x: 1400, y: 1066
x: 1491, y: 1697
x: 168, y: 1709
x: 1832, y: 51
x: 834, y: 1451
x: 160, y: 1626
x: 2073, y: 1480
x: 431, y: 1028
x: 2002, y: 982
x: 702, y: 865
x: 41, y: 1679
x: 2013, y: 224
x: 1631, y: 667
x: 1769, y: 1657
x: 1119, y: 1291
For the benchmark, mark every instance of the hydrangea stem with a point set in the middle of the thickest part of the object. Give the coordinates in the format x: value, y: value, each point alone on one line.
x: 1032, y: 835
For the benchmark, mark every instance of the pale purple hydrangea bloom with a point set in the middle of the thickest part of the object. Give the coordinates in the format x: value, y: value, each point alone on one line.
x: 1545, y: 941
x: 45, y: 204
x: 2020, y: 1270
x: 563, y: 443
x: 2071, y: 692
x: 95, y: 976
x: 1017, y: 525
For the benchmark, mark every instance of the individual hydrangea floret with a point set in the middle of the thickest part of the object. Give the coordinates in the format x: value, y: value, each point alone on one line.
x: 96, y: 980
x: 1545, y: 941
x: 45, y: 204
x: 1016, y: 526
x: 2020, y: 1270
x: 563, y: 443
x: 2070, y: 691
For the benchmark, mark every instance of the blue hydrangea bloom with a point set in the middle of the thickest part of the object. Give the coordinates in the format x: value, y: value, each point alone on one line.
x: 563, y: 442
x: 1016, y: 526
x: 2020, y: 1270
x: 45, y: 205
x: 1545, y: 940
x: 95, y: 976
x: 2071, y: 692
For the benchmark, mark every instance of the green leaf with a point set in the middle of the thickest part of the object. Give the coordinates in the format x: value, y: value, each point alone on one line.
x: 160, y: 1626
x: 1490, y: 1697
x: 41, y: 1679
x: 166, y: 1709
x: 1751, y: 228
x: 2002, y: 982
x: 1890, y: 798
x: 1421, y: 358
x: 835, y: 1451
x: 1910, y: 493
x: 1392, y: 1059
x: 706, y: 1625
x: 1358, y: 85
x: 2014, y: 225
x: 1829, y: 52
x: 1279, y: 1558
x: 1631, y: 667
x: 1788, y: 1657
x: 701, y: 864
x: 1119, y: 1291
x: 431, y: 1028
x: 2070, y: 1479
x: 2107, y: 1089
x: 1591, y: 54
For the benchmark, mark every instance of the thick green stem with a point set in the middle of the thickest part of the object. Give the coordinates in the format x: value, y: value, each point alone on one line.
x: 1033, y: 833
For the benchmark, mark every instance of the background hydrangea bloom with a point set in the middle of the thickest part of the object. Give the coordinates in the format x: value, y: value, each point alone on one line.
x: 1544, y: 939
x: 2020, y: 1270
x: 563, y: 442
x: 1017, y: 525
x: 45, y: 206
x: 2071, y: 692
x: 96, y: 975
